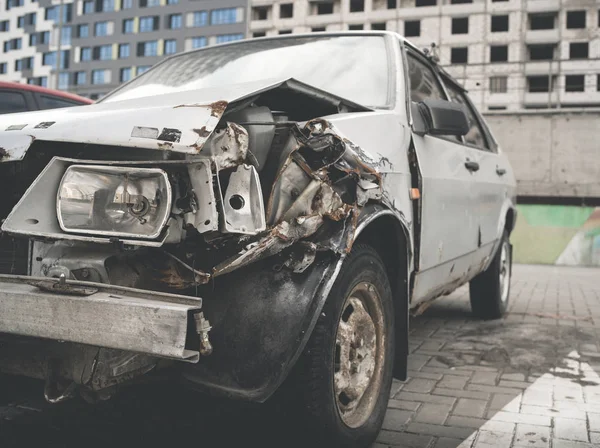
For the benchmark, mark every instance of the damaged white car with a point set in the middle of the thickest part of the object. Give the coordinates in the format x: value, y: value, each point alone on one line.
x: 252, y: 215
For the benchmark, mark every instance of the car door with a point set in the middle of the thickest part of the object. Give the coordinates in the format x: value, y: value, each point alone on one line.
x: 449, y: 212
x: 491, y: 189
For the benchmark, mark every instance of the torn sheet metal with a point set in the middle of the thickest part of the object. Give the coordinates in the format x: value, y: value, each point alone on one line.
x: 228, y: 147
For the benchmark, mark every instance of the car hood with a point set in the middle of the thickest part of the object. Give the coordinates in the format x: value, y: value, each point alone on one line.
x: 180, y: 121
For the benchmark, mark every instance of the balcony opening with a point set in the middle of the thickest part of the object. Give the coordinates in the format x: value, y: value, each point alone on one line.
x: 459, y: 55
x: 281, y: 32
x: 460, y: 25
x: 425, y: 2
x: 381, y: 26
x: 541, y: 52
x: 260, y: 13
x: 579, y: 50
x: 540, y: 84
x: 357, y: 5
x: 316, y: 29
x: 392, y: 4
x: 499, y: 23
x: 499, y: 53
x: 286, y: 10
x: 543, y: 21
x: 575, y: 83
x: 356, y: 27
x: 322, y: 8
x: 412, y: 28
x: 460, y: 2
x: 575, y: 20
x: 259, y: 34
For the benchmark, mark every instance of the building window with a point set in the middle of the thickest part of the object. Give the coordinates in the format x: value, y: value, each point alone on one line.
x: 200, y: 19
x: 89, y: 7
x: 459, y: 55
x: 65, y: 35
x: 281, y: 32
x: 149, y: 48
x: 541, y: 52
x: 128, y: 26
x: 86, y: 54
x: 499, y: 23
x: 578, y: 50
x: 148, y: 24
x: 172, y: 2
x: 124, y: 51
x: 125, y: 74
x: 425, y: 2
x: 539, y: 84
x: 63, y: 81
x: 498, y: 84
x: 576, y: 20
x: 460, y: 2
x: 259, y: 34
x: 356, y: 27
x: 498, y: 53
x: 41, y: 81
x: 286, y: 10
x: 80, y: 78
x: 223, y: 16
x: 149, y: 3
x: 126, y: 4
x: 199, y: 42
x: 49, y: 58
x: 315, y: 29
x: 101, y: 29
x: 103, y: 53
x: 51, y: 13
x: 4, y: 25
x: 542, y: 21
x: 223, y: 38
x: 175, y: 21
x: 379, y: 26
x: 460, y: 25
x: 597, y: 83
x: 412, y: 28
x: 143, y: 69
x: 323, y: 8
x: 357, y: 5
x: 99, y: 76
x: 64, y: 59
x: 108, y: 5
x: 575, y: 83
x: 392, y: 4
x: 45, y: 37
x: 3, y: 68
x: 83, y: 31
x: 170, y: 46
x: 260, y: 12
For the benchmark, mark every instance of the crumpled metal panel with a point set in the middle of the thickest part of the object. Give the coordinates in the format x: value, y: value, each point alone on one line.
x: 243, y: 208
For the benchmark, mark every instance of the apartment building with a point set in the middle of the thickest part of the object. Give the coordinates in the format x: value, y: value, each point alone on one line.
x: 510, y: 54
x: 89, y: 47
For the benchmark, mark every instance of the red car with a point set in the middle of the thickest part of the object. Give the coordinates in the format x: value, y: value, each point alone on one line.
x: 15, y: 97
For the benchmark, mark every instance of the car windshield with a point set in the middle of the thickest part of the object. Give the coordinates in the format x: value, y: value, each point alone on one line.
x: 353, y: 67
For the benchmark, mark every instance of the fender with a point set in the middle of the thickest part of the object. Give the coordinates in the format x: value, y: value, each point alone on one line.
x: 263, y: 316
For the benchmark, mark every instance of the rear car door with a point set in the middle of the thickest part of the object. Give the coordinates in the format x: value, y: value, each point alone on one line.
x: 13, y: 101
x: 491, y: 188
x: 449, y: 218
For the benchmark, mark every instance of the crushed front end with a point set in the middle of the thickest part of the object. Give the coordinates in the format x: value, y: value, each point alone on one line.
x: 209, y: 255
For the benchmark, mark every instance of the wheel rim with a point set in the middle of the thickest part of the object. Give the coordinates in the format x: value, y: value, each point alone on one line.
x: 504, y: 271
x: 359, y: 355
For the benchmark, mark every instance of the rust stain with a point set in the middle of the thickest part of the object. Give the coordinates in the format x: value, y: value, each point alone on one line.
x: 216, y: 109
x: 165, y: 145
x: 202, y: 132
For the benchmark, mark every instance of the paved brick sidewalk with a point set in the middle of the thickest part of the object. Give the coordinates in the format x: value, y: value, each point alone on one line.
x: 530, y: 379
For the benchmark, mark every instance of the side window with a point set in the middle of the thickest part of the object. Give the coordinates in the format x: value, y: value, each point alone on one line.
x: 476, y: 136
x: 11, y: 102
x: 53, y: 102
x: 423, y: 82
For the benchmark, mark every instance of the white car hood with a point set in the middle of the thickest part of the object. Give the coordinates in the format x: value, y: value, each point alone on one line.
x: 180, y: 122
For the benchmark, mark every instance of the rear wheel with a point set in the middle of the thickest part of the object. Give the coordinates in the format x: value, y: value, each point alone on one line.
x: 490, y: 290
x: 344, y: 376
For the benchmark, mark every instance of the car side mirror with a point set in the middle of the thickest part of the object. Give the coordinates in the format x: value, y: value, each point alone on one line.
x: 440, y: 117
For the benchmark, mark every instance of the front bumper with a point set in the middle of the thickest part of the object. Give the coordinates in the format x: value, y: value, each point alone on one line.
x: 101, y: 315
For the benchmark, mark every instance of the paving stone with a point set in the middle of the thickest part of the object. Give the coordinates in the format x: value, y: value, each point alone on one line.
x: 405, y: 405
x: 514, y: 417
x: 485, y: 377
x: 533, y: 436
x: 452, y: 371
x: 495, y: 438
x: 438, y: 430
x: 500, y: 401
x: 570, y: 429
x: 496, y: 426
x: 513, y: 377
x: 404, y: 440
x: 425, y: 375
x: 494, y: 389
x: 445, y: 442
x: 453, y: 382
x: 396, y: 419
x: 595, y: 438
x: 415, y: 362
x: 514, y: 384
x: 419, y: 385
x: 594, y: 420
x: 467, y: 407
x: 461, y: 393
x: 433, y: 413
x: 424, y: 398
x: 561, y: 443
x: 466, y: 422
x: 535, y: 397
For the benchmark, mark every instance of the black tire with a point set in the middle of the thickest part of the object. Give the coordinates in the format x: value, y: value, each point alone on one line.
x: 489, y: 293
x: 313, y: 381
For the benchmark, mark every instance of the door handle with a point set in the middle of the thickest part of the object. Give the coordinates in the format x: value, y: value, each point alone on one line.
x: 500, y: 171
x: 471, y: 166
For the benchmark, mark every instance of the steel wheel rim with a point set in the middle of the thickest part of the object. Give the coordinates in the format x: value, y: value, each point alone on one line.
x: 504, y: 272
x: 359, y: 355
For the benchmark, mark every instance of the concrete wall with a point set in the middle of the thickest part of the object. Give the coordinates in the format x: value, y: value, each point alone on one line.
x: 553, y: 153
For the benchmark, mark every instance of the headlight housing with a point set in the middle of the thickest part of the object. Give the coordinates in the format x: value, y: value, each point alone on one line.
x: 114, y: 201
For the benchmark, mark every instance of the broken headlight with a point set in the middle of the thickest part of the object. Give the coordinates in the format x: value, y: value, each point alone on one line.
x: 114, y: 201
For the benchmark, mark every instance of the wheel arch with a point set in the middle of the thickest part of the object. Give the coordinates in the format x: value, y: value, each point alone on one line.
x: 510, y: 220
x: 389, y: 235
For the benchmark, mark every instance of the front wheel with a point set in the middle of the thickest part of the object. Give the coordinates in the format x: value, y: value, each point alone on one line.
x: 490, y: 290
x: 344, y: 376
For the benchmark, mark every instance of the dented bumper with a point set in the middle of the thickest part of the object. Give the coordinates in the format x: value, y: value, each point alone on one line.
x: 100, y: 315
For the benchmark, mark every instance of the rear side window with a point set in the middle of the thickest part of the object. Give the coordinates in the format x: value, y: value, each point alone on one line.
x: 53, y: 102
x: 11, y: 102
x: 476, y: 136
x: 423, y: 82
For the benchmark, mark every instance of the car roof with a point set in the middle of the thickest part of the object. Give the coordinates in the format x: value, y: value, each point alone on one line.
x: 38, y: 89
